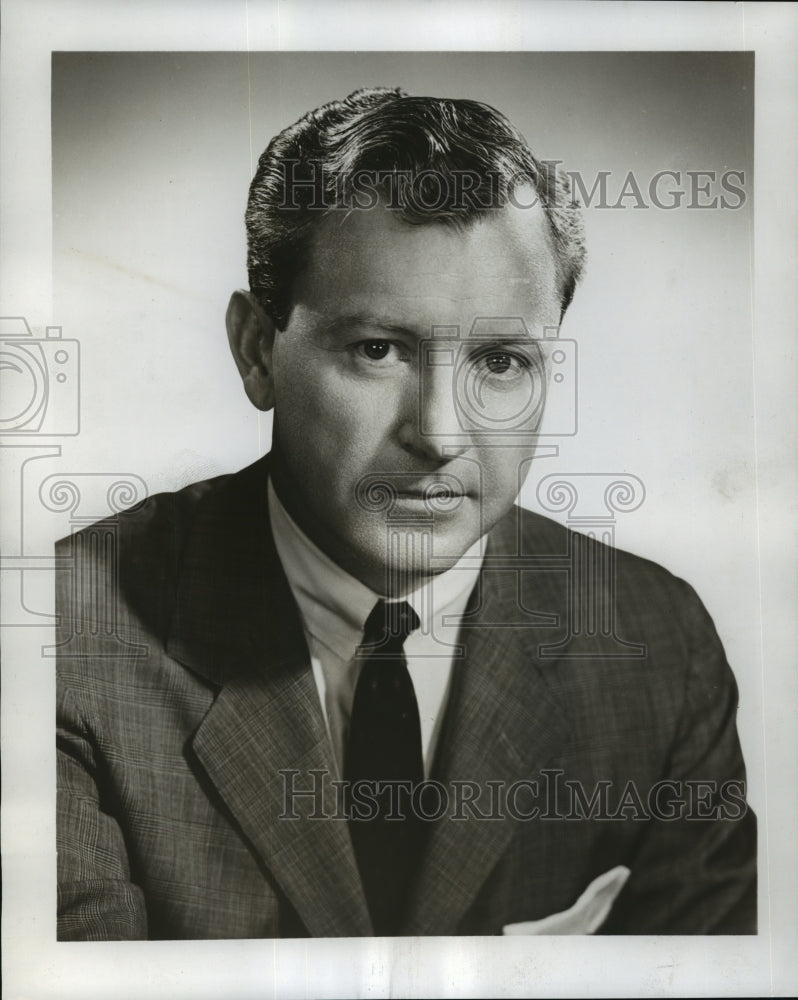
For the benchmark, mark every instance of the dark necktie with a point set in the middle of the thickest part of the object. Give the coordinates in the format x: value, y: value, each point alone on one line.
x: 385, y: 746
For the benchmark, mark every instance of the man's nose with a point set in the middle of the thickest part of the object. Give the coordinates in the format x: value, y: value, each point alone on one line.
x: 432, y: 424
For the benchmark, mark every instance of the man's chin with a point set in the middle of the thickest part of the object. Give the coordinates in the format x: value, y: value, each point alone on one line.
x: 411, y: 554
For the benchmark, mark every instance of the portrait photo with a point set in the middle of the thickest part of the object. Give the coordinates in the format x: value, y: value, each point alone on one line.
x: 397, y: 532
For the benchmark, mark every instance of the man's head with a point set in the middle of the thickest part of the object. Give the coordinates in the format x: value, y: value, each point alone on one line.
x: 406, y: 257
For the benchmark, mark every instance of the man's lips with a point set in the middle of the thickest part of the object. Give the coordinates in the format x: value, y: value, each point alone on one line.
x: 433, y: 491
x: 443, y: 493
x: 433, y: 497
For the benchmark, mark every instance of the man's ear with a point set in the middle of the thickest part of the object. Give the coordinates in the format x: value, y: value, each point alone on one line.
x: 250, y: 333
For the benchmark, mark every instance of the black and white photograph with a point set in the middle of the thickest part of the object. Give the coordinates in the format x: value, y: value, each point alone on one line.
x: 398, y: 456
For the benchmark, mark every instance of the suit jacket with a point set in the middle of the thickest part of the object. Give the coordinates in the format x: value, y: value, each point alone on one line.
x: 187, y: 708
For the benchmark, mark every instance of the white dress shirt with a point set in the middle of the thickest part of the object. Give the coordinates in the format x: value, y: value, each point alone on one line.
x: 334, y: 607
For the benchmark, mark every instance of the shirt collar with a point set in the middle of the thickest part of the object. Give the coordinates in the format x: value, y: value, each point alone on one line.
x: 334, y: 605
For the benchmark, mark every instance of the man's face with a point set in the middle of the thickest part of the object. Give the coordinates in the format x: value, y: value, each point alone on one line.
x: 374, y: 400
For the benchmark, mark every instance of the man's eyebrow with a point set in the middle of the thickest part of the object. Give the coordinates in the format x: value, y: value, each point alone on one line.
x: 370, y: 321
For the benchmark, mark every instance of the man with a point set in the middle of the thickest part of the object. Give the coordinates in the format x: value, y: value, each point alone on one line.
x: 346, y: 691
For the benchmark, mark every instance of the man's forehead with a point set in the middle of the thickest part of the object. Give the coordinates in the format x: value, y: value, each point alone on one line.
x: 502, y: 260
x: 520, y: 228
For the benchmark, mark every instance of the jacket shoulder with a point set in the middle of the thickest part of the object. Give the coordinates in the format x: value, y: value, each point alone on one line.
x: 540, y: 535
x: 134, y: 555
x: 157, y: 524
x: 640, y: 590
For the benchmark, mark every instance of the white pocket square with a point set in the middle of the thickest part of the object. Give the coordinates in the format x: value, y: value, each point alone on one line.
x: 586, y: 915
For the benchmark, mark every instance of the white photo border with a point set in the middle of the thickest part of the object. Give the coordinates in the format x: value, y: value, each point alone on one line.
x: 35, y: 966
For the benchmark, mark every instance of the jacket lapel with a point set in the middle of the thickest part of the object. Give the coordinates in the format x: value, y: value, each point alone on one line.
x: 503, y: 724
x: 236, y: 623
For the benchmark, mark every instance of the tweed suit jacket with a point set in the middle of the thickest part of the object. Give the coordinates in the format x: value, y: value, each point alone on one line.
x: 187, y: 709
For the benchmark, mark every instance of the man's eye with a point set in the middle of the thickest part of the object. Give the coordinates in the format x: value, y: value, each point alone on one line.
x: 501, y: 363
x: 498, y: 363
x: 378, y: 350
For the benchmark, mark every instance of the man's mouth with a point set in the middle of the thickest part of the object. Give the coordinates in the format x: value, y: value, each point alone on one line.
x: 430, y: 494
x: 434, y: 497
x: 432, y: 491
x: 440, y: 495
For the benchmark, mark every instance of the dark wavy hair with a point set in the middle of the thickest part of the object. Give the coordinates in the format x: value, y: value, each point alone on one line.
x: 434, y: 160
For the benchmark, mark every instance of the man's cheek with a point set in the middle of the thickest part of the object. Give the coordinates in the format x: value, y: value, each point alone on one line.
x: 501, y: 484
